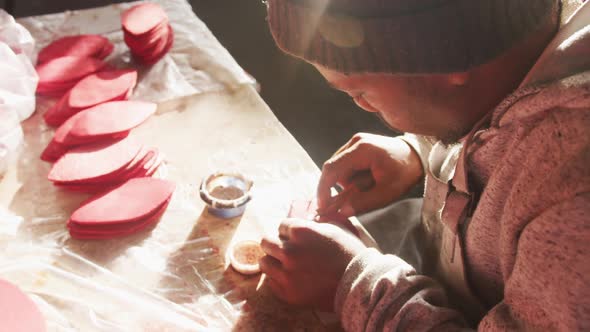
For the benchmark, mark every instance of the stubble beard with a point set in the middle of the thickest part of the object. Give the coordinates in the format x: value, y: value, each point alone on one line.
x: 451, y: 137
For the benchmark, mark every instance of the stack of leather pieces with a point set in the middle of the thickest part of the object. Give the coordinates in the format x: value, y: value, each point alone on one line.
x: 132, y: 207
x: 147, y: 32
x: 95, y: 89
x: 99, y: 167
x: 67, y: 60
x: 103, y: 123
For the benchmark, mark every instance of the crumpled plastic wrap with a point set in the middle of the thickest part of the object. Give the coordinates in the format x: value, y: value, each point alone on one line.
x: 16, y: 36
x: 18, y: 83
x: 75, y: 294
x: 196, y: 63
x: 11, y: 136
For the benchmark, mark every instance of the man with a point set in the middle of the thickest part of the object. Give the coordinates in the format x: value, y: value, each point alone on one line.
x: 496, y: 94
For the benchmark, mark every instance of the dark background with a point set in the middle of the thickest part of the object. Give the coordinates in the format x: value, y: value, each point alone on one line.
x: 320, y: 118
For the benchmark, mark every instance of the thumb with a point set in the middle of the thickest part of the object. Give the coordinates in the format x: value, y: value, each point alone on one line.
x: 360, y: 202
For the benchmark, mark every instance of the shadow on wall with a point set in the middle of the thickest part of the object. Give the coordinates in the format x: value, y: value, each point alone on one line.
x: 320, y: 118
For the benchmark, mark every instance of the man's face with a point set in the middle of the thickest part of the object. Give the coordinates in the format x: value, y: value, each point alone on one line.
x: 432, y: 105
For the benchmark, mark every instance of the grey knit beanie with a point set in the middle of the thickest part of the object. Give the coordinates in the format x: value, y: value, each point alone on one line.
x: 404, y: 36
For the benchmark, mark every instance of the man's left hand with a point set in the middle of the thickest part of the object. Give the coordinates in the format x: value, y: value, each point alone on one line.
x: 305, y: 263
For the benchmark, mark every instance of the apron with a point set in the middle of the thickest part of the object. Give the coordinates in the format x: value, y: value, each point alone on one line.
x: 446, y: 212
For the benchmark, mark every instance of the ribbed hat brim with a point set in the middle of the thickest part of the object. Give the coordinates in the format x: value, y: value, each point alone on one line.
x: 452, y: 36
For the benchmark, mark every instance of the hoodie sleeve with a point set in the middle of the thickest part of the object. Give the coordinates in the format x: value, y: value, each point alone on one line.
x: 546, y: 290
x: 383, y: 293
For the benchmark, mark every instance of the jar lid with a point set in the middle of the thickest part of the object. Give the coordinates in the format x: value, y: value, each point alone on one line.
x: 244, y: 256
x: 224, y: 190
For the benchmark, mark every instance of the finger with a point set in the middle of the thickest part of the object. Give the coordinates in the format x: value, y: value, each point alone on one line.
x: 355, y: 138
x: 339, y: 170
x: 288, y: 226
x: 273, y: 268
x: 284, y: 231
x: 359, y: 202
x: 273, y: 247
x: 276, y: 287
x: 359, y: 181
x: 298, y: 231
x: 363, y: 180
x: 336, y: 203
x: 340, y: 222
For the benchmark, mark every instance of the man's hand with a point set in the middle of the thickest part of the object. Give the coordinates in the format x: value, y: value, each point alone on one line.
x: 394, y: 165
x: 305, y: 264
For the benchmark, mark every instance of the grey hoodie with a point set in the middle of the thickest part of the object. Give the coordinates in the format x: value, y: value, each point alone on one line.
x: 525, y: 251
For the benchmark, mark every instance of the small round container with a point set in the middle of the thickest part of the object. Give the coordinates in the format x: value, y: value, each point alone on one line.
x: 244, y: 256
x: 226, y: 194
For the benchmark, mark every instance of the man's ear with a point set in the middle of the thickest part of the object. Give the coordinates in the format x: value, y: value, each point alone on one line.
x: 458, y: 79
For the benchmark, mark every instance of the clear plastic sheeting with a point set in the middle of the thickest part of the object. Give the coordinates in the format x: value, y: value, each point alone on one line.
x: 77, y: 294
x: 96, y: 300
x: 145, y: 293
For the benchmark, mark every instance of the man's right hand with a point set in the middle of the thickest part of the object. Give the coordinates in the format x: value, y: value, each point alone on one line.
x: 394, y: 165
